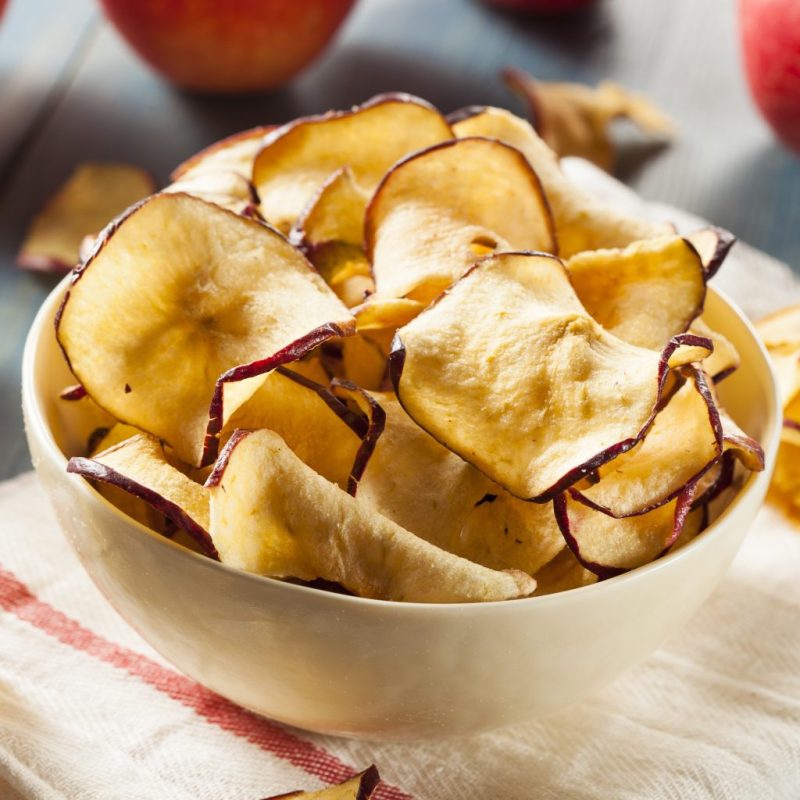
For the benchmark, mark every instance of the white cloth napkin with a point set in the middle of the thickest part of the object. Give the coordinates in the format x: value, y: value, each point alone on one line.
x: 89, y: 712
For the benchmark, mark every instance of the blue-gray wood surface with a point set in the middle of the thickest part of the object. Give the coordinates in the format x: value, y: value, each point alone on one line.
x: 70, y: 90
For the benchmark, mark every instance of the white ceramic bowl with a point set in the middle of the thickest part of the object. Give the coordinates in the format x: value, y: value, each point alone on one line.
x: 372, y: 669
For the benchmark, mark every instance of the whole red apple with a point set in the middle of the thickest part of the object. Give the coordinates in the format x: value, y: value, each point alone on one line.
x: 771, y: 44
x: 541, y: 6
x: 228, y: 45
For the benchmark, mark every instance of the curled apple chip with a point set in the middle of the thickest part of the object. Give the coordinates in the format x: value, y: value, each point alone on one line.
x: 575, y: 120
x: 437, y: 211
x: 345, y: 269
x: 226, y: 188
x: 686, y: 438
x: 712, y: 245
x: 724, y: 360
x: 644, y: 294
x: 181, y: 309
x: 608, y: 546
x: 139, y: 466
x: 382, y: 313
x: 297, y: 159
x: 273, y: 515
x: 509, y: 371
x: 359, y: 787
x: 93, y: 194
x: 236, y: 152
x: 582, y: 222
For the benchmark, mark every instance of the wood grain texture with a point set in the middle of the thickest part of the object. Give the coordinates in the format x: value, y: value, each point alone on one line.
x: 72, y: 90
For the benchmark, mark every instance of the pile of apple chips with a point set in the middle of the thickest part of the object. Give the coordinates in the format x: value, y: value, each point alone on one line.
x: 400, y: 355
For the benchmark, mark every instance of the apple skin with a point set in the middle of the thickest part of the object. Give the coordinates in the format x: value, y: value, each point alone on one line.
x: 228, y: 47
x: 541, y: 6
x: 770, y: 32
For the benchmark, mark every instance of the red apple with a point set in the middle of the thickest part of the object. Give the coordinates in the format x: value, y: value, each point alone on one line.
x: 216, y: 46
x: 770, y: 32
x: 541, y: 6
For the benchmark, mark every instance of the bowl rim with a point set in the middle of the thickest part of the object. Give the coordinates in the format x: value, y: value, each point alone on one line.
x: 36, y: 425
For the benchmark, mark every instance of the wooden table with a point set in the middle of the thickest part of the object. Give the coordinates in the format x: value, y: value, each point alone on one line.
x: 70, y: 90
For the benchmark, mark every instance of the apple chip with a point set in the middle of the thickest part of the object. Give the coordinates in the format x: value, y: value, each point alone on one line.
x: 226, y: 188
x: 180, y: 311
x: 644, y: 294
x: 236, y: 152
x: 382, y: 313
x: 575, y: 120
x: 419, y: 484
x: 139, y: 466
x: 318, y: 427
x: 712, y: 245
x: 607, y: 546
x: 359, y: 787
x: 436, y: 212
x: 365, y: 359
x: 299, y: 157
x: 509, y: 371
x: 562, y: 573
x: 686, y: 438
x: 345, y: 269
x: 93, y: 194
x: 724, y: 360
x: 273, y: 515
x: 582, y: 222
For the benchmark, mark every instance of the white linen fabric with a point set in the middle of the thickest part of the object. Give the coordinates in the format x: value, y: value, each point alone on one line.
x: 89, y: 712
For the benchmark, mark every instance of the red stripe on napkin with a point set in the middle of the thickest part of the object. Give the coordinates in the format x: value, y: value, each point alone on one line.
x: 17, y: 599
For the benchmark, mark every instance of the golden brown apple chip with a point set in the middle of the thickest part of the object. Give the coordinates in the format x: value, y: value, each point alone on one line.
x: 575, y: 120
x: 92, y: 195
x: 562, y: 573
x: 182, y: 309
x: 582, y: 222
x: 236, y: 152
x: 345, y: 269
x: 712, y: 245
x: 439, y: 210
x: 382, y: 313
x: 273, y: 515
x: 365, y: 359
x: 139, y: 466
x: 298, y: 158
x: 724, y: 360
x: 644, y: 294
x: 226, y: 188
x: 359, y: 787
x: 509, y: 371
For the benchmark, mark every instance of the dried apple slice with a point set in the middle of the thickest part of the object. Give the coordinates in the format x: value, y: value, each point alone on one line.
x: 139, y: 466
x: 359, y: 787
x: 724, y: 360
x: 419, y: 484
x: 437, y: 211
x: 644, y: 294
x: 607, y: 546
x: 582, y: 222
x: 345, y: 269
x: 712, y: 245
x: 562, y: 573
x: 686, y: 438
x: 318, y: 427
x: 509, y: 371
x: 226, y: 188
x: 365, y: 359
x: 382, y: 313
x: 781, y: 329
x: 273, y: 515
x: 182, y: 303
x: 236, y: 152
x: 92, y: 195
x: 298, y: 158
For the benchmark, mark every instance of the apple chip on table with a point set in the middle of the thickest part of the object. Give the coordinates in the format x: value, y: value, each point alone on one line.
x: 386, y: 378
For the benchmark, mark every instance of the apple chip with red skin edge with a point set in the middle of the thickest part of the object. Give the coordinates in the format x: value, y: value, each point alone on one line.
x: 317, y: 426
x: 297, y: 159
x: 724, y: 360
x: 274, y: 516
x: 712, y: 245
x: 739, y: 445
x: 685, y: 439
x: 419, y: 484
x: 139, y: 466
x: 359, y: 787
x: 582, y: 222
x: 236, y: 152
x: 608, y: 546
x: 509, y: 371
x: 226, y: 188
x: 93, y: 194
x: 644, y: 294
x: 181, y: 309
x: 427, y: 222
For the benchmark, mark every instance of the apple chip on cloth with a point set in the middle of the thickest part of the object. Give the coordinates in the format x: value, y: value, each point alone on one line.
x: 181, y: 310
x: 298, y: 158
x: 91, y: 196
x: 273, y: 515
x: 509, y: 371
x: 438, y: 210
x: 359, y: 787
